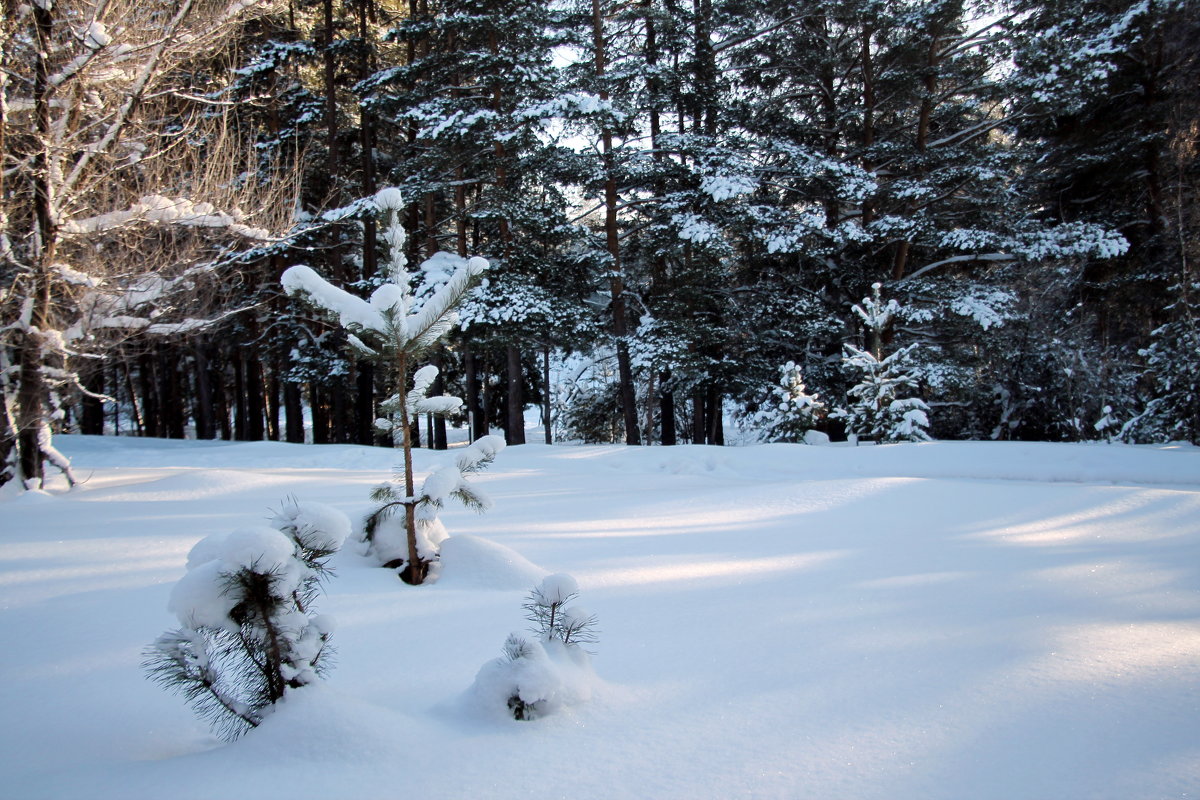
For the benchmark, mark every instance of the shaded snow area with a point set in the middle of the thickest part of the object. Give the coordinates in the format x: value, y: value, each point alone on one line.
x: 908, y: 622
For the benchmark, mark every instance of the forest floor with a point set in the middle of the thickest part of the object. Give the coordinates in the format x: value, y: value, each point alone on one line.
x: 911, y: 622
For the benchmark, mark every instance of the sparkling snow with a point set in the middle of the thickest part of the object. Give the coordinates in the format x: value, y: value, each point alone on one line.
x: 939, y: 621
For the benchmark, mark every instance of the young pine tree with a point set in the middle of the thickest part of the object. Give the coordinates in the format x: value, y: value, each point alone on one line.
x: 247, y: 633
x: 791, y: 411
x: 393, y: 330
x: 881, y: 405
x: 536, y: 676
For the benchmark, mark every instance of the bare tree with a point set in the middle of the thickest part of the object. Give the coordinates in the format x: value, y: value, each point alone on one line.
x: 123, y: 175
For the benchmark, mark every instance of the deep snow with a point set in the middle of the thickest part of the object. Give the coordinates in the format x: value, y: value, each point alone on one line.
x: 944, y: 620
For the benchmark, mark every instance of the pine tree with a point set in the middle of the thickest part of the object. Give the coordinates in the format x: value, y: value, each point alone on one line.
x: 789, y: 412
x: 392, y: 331
x: 248, y: 633
x: 536, y: 677
x: 881, y: 406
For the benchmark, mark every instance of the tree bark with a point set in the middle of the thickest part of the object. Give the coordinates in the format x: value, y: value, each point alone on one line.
x: 666, y: 406
x: 476, y: 415
x: 514, y: 429
x: 294, y: 411
x: 202, y: 409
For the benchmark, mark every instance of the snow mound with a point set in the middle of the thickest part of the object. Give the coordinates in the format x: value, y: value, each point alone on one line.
x: 338, y: 729
x: 471, y: 562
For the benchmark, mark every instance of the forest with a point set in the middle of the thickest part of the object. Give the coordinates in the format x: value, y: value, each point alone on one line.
x: 886, y: 219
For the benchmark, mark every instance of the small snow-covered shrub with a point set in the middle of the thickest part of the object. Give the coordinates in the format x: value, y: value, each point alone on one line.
x: 247, y: 631
x: 537, y: 676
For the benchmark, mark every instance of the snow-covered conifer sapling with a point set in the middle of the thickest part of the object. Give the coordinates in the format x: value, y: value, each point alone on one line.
x: 396, y: 330
x: 878, y: 408
x: 536, y: 676
x: 790, y: 411
x: 248, y: 631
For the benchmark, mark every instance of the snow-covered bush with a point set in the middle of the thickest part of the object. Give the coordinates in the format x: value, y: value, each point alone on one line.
x: 248, y: 633
x: 386, y: 533
x: 395, y: 328
x: 790, y: 412
x: 537, y: 676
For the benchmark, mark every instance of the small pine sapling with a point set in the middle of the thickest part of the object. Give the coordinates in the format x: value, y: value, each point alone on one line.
x: 536, y: 676
x: 396, y: 330
x: 247, y: 632
x: 791, y: 411
x: 878, y: 408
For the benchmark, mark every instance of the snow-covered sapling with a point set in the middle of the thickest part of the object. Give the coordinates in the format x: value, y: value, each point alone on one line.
x: 247, y: 631
x: 791, y: 411
x: 878, y: 407
x: 396, y: 329
x: 536, y: 676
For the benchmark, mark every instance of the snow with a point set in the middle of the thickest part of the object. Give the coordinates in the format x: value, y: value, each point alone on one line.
x: 905, y: 622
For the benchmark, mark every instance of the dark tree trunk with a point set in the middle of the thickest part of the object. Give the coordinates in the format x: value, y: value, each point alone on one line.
x: 437, y: 431
x: 476, y: 415
x: 256, y: 413
x: 666, y: 406
x: 293, y: 406
x: 699, y: 429
x: 514, y: 428
x: 273, y: 403
x: 364, y: 404
x: 239, y: 394
x: 202, y: 409
x: 151, y: 418
x: 91, y: 421
x: 547, y: 406
x: 715, y: 416
x: 338, y: 434
x: 171, y: 394
x: 216, y: 371
x: 320, y: 414
x: 620, y: 324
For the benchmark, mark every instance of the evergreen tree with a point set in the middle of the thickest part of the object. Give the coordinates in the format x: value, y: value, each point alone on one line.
x: 248, y: 633
x: 391, y: 330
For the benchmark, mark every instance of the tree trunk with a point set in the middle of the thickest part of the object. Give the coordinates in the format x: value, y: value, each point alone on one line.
x: 202, y: 409
x: 715, y: 416
x: 547, y: 397
x: 437, y: 432
x: 476, y: 416
x: 171, y: 395
x: 239, y: 394
x: 514, y: 429
x: 32, y: 393
x: 293, y: 406
x: 256, y: 413
x: 151, y: 416
x: 320, y: 414
x: 620, y: 325
x: 666, y: 409
x: 699, y: 429
x: 91, y: 421
x: 364, y: 404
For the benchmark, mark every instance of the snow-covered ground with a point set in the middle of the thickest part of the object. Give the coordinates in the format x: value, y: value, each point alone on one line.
x: 946, y: 620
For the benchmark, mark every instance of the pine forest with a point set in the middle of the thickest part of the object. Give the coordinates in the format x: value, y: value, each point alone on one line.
x: 703, y: 220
